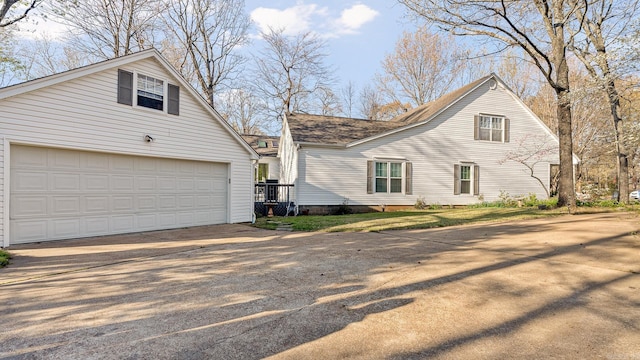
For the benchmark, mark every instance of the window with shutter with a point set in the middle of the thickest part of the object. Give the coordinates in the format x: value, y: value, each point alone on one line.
x: 389, y: 177
x: 466, y: 179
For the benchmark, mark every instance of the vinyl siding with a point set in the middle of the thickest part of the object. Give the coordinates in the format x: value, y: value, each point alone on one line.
x: 83, y: 114
x: 328, y: 176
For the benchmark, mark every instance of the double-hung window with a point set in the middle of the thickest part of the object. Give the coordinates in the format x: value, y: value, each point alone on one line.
x: 389, y: 176
x: 148, y: 92
x: 491, y: 128
x: 466, y: 179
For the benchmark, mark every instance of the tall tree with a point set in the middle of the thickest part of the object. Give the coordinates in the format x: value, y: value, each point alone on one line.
x: 241, y: 109
x: 603, y: 23
x: 290, y: 69
x: 111, y: 28
x: 209, y: 33
x: 12, y: 11
x: 348, y: 94
x: 539, y: 29
x: 423, y: 67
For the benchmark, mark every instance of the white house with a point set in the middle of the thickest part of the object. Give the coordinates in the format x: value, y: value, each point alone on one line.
x: 269, y: 164
x: 124, y: 145
x: 446, y: 152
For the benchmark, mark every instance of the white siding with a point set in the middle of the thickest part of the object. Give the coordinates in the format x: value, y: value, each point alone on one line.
x: 328, y: 176
x: 83, y: 114
x: 288, y: 156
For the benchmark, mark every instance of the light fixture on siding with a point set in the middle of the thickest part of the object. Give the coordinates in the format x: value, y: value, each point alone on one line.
x: 148, y: 138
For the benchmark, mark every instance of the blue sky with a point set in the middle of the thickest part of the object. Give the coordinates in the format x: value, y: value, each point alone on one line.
x: 358, y: 33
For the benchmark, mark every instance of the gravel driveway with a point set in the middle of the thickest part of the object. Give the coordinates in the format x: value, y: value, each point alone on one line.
x: 565, y: 287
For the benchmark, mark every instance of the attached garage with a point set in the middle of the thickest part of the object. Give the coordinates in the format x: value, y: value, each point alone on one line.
x: 96, y: 166
x: 58, y: 194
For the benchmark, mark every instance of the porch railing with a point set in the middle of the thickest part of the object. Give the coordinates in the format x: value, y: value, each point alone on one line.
x: 278, y: 197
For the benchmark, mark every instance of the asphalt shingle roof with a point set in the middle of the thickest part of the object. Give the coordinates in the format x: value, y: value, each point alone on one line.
x: 332, y: 130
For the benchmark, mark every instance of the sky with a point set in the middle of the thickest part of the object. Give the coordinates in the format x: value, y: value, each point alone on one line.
x: 358, y: 34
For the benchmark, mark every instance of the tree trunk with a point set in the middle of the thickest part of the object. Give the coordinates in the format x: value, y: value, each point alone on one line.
x: 622, y: 163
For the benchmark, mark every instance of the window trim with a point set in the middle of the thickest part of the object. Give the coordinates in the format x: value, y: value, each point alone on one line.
x: 128, y: 92
x: 505, y: 123
x: 474, y: 179
x: 406, y: 174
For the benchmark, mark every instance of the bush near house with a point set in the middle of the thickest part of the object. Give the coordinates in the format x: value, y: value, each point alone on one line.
x: 4, y: 258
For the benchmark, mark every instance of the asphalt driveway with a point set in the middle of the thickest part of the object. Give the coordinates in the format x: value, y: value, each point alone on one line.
x: 564, y: 288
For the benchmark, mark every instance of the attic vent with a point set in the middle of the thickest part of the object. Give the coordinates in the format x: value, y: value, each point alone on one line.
x: 493, y: 84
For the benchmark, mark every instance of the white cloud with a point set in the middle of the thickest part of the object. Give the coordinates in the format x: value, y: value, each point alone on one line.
x: 293, y: 20
x: 311, y: 17
x: 355, y: 17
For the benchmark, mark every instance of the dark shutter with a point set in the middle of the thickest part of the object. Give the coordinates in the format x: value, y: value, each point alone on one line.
x: 506, y: 130
x: 125, y: 87
x: 456, y: 179
x: 174, y: 100
x: 370, y: 165
x: 476, y: 180
x: 476, y: 127
x: 408, y: 185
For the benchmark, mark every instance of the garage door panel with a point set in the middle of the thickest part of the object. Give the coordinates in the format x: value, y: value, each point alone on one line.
x: 96, y: 183
x: 64, y: 182
x: 149, y: 221
x: 94, y: 226
x: 23, y: 231
x: 122, y: 203
x: 64, y: 159
x: 65, y: 205
x: 122, y: 223
x: 122, y: 163
x: 122, y: 183
x: 146, y: 183
x: 28, y: 206
x: 146, y: 202
x: 167, y: 184
x: 29, y: 181
x: 58, y: 194
x: 66, y: 228
x: 96, y: 204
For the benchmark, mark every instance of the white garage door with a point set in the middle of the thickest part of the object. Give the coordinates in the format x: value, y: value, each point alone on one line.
x: 62, y: 194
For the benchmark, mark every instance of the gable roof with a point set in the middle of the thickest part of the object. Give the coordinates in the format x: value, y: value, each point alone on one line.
x: 331, y: 130
x: 68, y: 75
x: 269, y: 150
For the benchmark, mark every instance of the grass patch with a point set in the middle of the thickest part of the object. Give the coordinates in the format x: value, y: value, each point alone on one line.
x: 414, y: 219
x: 4, y: 258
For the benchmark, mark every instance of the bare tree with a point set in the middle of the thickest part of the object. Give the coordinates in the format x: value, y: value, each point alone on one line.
x: 370, y: 103
x: 348, y: 94
x: 328, y: 102
x: 423, y: 67
x: 107, y: 28
x: 209, y: 33
x: 290, y: 69
x: 602, y: 23
x: 539, y: 29
x: 12, y: 11
x: 10, y: 66
x: 241, y: 109
x: 530, y: 151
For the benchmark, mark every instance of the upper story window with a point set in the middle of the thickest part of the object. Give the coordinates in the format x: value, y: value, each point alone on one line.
x: 150, y: 92
x: 491, y: 128
x: 262, y: 144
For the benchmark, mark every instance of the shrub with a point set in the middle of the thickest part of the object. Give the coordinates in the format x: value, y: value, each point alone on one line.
x: 420, y: 204
x: 4, y: 258
x: 343, y: 209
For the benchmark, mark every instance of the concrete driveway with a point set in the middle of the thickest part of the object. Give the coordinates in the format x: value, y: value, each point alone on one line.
x: 565, y: 288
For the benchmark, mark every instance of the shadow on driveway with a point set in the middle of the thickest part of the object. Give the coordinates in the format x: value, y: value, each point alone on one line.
x: 565, y: 287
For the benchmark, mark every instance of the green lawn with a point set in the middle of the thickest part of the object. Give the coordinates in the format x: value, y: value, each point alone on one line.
x: 413, y: 219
